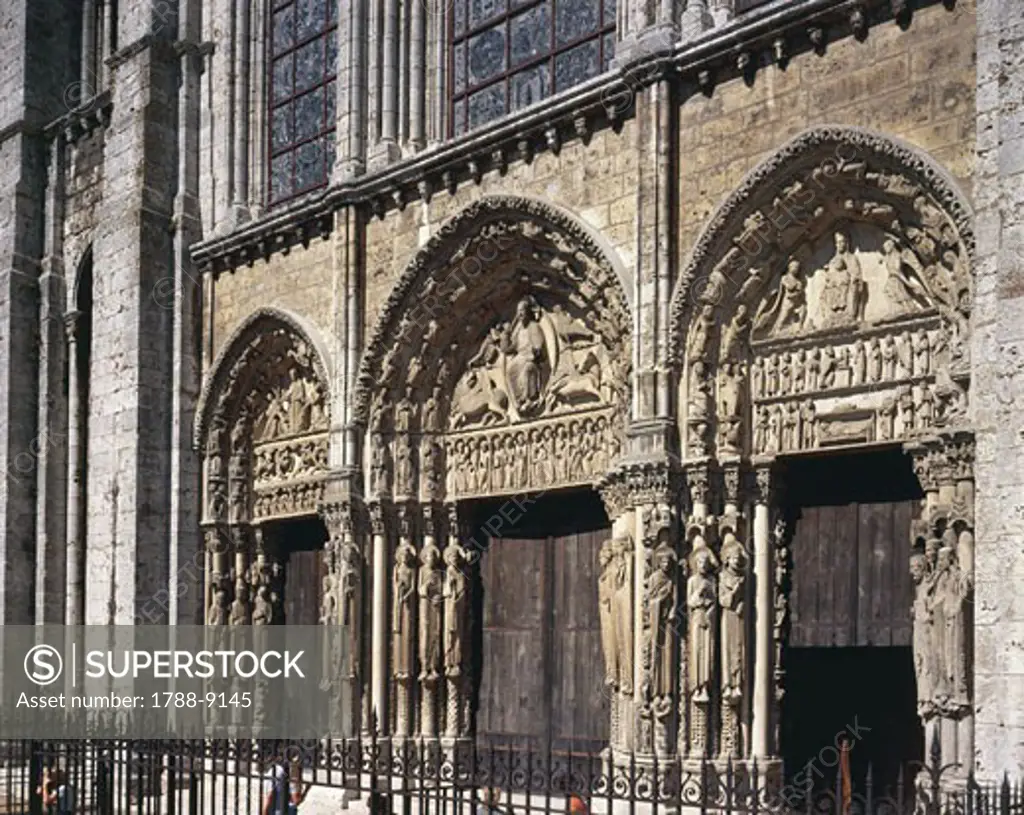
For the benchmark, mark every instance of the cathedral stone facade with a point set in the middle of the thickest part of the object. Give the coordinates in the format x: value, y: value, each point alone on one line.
x: 308, y: 303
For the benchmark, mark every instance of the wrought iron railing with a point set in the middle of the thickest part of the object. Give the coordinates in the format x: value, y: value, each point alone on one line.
x: 438, y: 778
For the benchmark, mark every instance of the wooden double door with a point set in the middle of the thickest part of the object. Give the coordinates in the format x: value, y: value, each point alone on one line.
x: 540, y: 662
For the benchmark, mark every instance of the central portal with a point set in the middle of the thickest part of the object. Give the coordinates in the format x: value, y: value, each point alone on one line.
x: 540, y: 659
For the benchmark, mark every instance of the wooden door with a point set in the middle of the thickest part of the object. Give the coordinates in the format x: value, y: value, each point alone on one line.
x: 541, y: 663
x: 301, y: 544
x: 851, y: 576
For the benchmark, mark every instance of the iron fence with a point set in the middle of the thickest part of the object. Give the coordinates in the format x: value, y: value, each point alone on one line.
x: 446, y: 778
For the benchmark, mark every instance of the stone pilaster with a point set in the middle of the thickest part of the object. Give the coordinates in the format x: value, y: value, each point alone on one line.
x: 131, y: 412
x: 343, y: 604
x: 997, y: 394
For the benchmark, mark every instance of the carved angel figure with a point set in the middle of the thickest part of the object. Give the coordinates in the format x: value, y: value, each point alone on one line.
x: 786, y: 309
x: 904, y: 286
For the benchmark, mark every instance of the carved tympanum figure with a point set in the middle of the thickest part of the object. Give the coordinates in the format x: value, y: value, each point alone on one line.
x: 702, y: 603
x: 786, y: 310
x: 844, y: 293
x: 523, y: 342
x: 403, y: 599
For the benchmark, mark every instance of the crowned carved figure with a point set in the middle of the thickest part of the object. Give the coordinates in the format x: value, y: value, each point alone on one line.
x: 731, y: 595
x: 843, y: 293
x: 702, y: 604
x: 431, y: 593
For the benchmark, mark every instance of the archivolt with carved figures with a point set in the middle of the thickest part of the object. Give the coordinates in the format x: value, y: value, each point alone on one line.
x: 500, y: 362
x: 827, y: 305
x: 262, y: 425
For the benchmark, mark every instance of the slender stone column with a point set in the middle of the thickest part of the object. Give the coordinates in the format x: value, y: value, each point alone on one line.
x: 417, y: 77
x: 389, y: 82
x: 75, y: 611
x: 379, y: 631
x: 764, y: 577
x: 89, y: 78
x: 241, y: 112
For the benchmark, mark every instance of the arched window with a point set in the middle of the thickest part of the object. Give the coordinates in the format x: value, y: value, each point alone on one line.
x: 304, y: 54
x: 509, y: 54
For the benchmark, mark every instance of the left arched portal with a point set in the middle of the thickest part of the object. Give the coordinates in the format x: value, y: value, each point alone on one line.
x: 263, y: 428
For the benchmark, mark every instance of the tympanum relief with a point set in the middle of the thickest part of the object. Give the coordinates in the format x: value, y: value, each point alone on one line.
x: 858, y: 341
x: 543, y: 368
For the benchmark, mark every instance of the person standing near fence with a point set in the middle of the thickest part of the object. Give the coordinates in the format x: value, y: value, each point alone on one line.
x: 57, y: 795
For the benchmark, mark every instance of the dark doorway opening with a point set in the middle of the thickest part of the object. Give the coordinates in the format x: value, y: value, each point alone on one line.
x: 848, y: 662
x: 539, y: 667
x: 300, y: 543
x: 866, y: 696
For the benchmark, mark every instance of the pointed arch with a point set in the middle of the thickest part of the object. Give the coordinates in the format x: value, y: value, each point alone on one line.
x: 221, y: 383
x: 470, y: 255
x: 822, y: 160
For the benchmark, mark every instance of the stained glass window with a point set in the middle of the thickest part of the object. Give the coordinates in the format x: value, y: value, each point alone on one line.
x: 303, y: 46
x: 508, y: 54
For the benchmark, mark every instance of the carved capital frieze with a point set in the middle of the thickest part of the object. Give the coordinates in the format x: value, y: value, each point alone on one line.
x: 698, y: 482
x: 763, y: 483
x: 637, y: 484
x: 377, y: 513
x: 732, y: 482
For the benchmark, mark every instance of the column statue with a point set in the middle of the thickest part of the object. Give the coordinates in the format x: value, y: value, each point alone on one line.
x: 606, y: 600
x: 702, y: 603
x: 731, y: 597
x: 662, y: 619
x: 404, y: 590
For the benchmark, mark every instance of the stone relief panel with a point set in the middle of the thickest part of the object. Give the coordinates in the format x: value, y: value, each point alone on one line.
x: 541, y: 363
x: 559, y: 452
x: 266, y: 439
x: 848, y: 326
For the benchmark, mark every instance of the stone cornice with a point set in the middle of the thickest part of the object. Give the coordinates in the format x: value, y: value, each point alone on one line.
x: 776, y: 30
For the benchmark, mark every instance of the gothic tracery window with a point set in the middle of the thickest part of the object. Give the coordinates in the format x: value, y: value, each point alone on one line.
x: 509, y: 54
x: 303, y: 45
